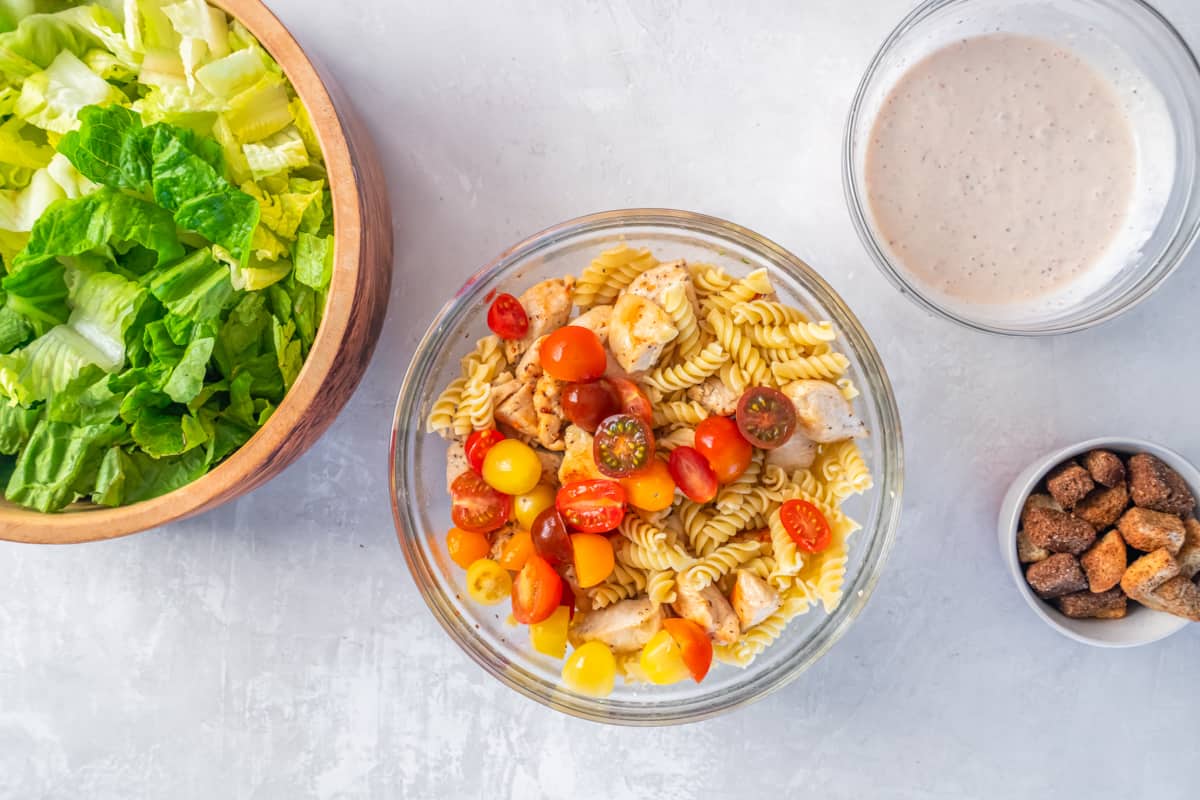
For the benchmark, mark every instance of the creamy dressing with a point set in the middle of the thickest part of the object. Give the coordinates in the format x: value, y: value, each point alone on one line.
x: 1000, y: 169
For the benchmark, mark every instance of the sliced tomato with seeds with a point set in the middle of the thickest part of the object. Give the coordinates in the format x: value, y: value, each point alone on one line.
x: 766, y: 417
x: 589, y: 404
x: 507, y: 318
x: 536, y: 592
x: 807, y: 526
x: 623, y: 445
x: 592, y: 506
x: 478, y: 444
x: 475, y: 506
x: 692, y: 474
x: 632, y: 399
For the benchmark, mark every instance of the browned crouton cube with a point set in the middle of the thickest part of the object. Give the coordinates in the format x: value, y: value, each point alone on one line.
x: 1178, y: 596
x: 1104, y: 562
x: 1106, y: 468
x: 1027, y: 551
x: 1113, y: 613
x: 1103, y: 507
x: 1055, y: 576
x: 1058, y: 531
x: 1189, y: 554
x: 1156, y: 486
x: 1082, y: 605
x: 1149, y: 530
x: 1037, y: 501
x: 1069, y: 483
x: 1148, y: 573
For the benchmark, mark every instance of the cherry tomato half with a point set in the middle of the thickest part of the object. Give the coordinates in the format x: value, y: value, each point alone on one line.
x: 651, y: 489
x: 507, y: 317
x: 536, y: 591
x: 466, y: 547
x: 550, y: 537
x: 592, y: 506
x: 594, y: 558
x: 572, y: 353
x: 766, y: 417
x: 478, y: 444
x: 588, y: 404
x: 624, y: 444
x: 477, y: 506
x: 807, y: 526
x: 695, y: 644
x: 633, y: 400
x: 693, y: 475
x: 722, y: 445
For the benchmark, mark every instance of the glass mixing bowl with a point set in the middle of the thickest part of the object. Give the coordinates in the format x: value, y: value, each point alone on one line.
x: 421, y: 503
x: 1160, y: 88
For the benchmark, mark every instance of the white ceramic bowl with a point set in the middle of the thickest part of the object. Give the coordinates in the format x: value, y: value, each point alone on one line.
x: 1141, y: 625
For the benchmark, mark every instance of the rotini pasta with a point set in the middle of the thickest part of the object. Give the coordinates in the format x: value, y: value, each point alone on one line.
x: 441, y: 416
x: 669, y: 556
x: 679, y: 308
x: 680, y: 413
x: 661, y: 587
x: 782, y: 337
x: 752, y: 369
x: 818, y: 367
x: 609, y: 273
x: 719, y: 562
x: 765, y: 312
x: 690, y: 372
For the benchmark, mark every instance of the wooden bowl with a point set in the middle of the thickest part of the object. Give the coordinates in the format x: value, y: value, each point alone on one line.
x: 354, y: 314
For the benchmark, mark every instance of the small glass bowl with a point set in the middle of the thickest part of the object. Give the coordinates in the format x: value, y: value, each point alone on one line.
x: 418, y: 466
x: 1125, y: 34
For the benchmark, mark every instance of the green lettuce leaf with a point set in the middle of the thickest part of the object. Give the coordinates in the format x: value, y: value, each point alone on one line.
x: 40, y: 38
x: 38, y: 293
x: 16, y: 426
x: 126, y: 476
x: 198, y: 287
x: 59, y: 464
x: 53, y: 98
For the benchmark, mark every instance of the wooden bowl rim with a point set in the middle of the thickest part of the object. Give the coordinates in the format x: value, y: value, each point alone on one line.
x: 85, y: 522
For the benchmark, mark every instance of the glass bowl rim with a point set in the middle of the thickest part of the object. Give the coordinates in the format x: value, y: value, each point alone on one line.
x: 755, y: 686
x: 1176, y: 249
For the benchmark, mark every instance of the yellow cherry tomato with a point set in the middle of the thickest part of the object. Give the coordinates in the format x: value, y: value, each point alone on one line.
x: 516, y: 551
x: 550, y: 635
x: 526, y: 507
x: 466, y: 547
x: 662, y: 659
x: 488, y: 582
x: 593, y: 558
x: 512, y: 467
x: 652, y: 489
x: 591, y: 670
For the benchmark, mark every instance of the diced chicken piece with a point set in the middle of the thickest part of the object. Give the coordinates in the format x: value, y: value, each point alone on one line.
x: 596, y: 320
x: 500, y: 539
x: 550, y: 464
x: 709, y: 609
x: 456, y: 462
x: 518, y: 413
x: 625, y: 626
x: 716, y: 396
x: 504, y: 387
x: 547, y: 402
x: 753, y: 599
x: 798, y: 452
x: 653, y: 284
x: 548, y: 306
x: 822, y: 414
x: 579, y: 463
x: 529, y: 368
x: 638, y: 332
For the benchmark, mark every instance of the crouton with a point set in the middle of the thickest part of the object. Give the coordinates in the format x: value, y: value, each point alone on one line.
x: 1189, y: 554
x: 1037, y: 501
x: 1103, y: 506
x: 1027, y: 551
x: 1156, y: 486
x: 1105, y: 467
x: 1178, y: 596
x: 1055, y: 576
x: 1104, y: 563
x: 1148, y: 573
x: 1117, y: 612
x: 1069, y: 483
x: 1082, y: 605
x: 1149, y: 530
x: 1058, y: 531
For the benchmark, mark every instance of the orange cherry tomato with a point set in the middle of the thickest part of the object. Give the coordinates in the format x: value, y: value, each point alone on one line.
x: 807, y: 526
x: 478, y: 443
x: 592, y: 506
x: 536, y: 592
x: 633, y: 400
x: 652, y: 489
x: 593, y: 558
x: 695, y: 644
x: 475, y: 506
x: 466, y: 547
x: 723, y: 446
x: 516, y: 551
x: 573, y: 354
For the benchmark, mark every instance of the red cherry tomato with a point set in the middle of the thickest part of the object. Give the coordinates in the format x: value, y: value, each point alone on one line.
x: 722, y: 445
x: 551, y: 540
x: 592, y: 506
x: 478, y: 443
x: 588, y: 404
x: 694, y: 645
x: 624, y: 444
x: 692, y: 474
x: 633, y: 400
x: 477, y: 506
x: 807, y: 526
x: 572, y: 353
x: 536, y: 592
x: 507, y: 317
x: 766, y: 417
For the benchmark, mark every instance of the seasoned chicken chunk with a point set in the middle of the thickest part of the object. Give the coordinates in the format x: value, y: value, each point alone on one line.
x: 547, y: 402
x: 578, y: 464
x: 798, y: 452
x: 638, y: 332
x: 753, y: 599
x: 596, y: 320
x: 822, y: 414
x: 709, y: 609
x: 716, y: 396
x: 456, y: 462
x: 653, y: 284
x: 548, y: 306
x: 550, y: 464
x: 625, y: 626
x: 518, y: 413
x: 530, y: 366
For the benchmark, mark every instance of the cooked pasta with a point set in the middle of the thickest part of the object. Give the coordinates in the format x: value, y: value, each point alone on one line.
x: 441, y: 416
x: 642, y: 533
x: 765, y: 312
x: 719, y: 562
x: 752, y: 369
x: 669, y: 556
x: 690, y: 371
x: 609, y: 273
x: 818, y: 367
x: 804, y: 334
x: 661, y: 587
x: 680, y: 413
x: 679, y: 308
x: 739, y: 291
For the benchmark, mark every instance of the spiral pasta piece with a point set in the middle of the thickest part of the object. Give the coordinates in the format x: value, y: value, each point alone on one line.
x: 680, y: 413
x: 669, y: 556
x: 691, y: 372
x: 679, y: 308
x: 804, y: 334
x: 722, y: 527
x: 765, y: 312
x: 441, y: 416
x: 679, y: 437
x: 734, y: 493
x: 762, y: 635
x: 660, y: 588
x: 817, y: 367
x: 752, y: 369
x: 719, y: 562
x: 709, y: 280
x: 847, y: 388
x: 488, y: 355
x: 749, y: 287
x: 610, y: 273
x: 642, y: 533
